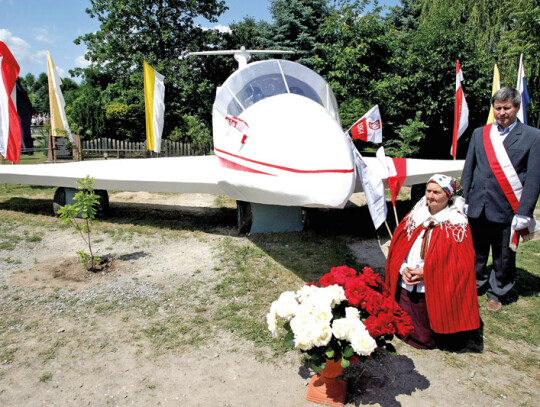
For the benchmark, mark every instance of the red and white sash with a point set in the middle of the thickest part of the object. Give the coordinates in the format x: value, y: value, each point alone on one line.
x: 505, y: 174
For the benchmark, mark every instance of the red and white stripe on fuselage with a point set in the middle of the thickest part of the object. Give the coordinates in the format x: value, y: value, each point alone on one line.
x: 239, y: 125
x: 240, y: 163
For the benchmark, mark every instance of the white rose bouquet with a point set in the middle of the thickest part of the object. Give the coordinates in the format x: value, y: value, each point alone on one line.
x: 346, y: 316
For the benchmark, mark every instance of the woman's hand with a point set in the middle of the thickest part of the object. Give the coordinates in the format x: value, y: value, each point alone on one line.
x: 413, y: 276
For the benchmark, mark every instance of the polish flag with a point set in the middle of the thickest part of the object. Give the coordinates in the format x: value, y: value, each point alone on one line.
x: 239, y: 125
x: 369, y: 127
x: 461, y: 111
x: 395, y: 172
x: 10, y: 127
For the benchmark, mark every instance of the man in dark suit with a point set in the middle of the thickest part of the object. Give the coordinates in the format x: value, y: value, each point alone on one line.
x: 492, y: 210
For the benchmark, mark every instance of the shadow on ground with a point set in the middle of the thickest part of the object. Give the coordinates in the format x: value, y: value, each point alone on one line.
x: 140, y: 214
x: 527, y: 285
x: 380, y: 380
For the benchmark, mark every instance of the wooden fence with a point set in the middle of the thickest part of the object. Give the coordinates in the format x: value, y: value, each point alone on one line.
x: 107, y: 147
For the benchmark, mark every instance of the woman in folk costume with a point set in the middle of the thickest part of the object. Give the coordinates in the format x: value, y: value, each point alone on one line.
x: 430, y: 267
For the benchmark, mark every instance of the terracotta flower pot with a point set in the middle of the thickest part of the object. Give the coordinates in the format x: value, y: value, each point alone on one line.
x: 325, y: 388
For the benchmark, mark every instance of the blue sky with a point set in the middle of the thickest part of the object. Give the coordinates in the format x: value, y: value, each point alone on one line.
x: 32, y: 27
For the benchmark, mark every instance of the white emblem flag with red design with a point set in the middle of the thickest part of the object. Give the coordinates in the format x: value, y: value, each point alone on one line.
x: 369, y: 127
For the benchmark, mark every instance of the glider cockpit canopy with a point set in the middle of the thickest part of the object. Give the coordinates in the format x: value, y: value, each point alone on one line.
x: 264, y: 79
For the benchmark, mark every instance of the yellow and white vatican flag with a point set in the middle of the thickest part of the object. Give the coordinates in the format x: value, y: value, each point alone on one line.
x: 59, y: 123
x: 495, y: 87
x: 154, y: 101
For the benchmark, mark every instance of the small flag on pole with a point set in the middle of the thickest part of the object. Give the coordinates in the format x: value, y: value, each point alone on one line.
x: 368, y: 127
x: 395, y: 172
x: 10, y: 127
x: 154, y: 101
x: 373, y: 187
x: 522, y: 87
x: 496, y: 86
x: 461, y: 111
x: 59, y: 123
x: 24, y: 110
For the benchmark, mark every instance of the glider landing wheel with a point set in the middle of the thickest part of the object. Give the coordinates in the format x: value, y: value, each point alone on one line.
x: 63, y: 196
x: 244, y: 216
x: 103, y: 204
x: 59, y: 199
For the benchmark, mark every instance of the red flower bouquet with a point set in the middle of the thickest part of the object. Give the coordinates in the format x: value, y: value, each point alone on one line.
x: 346, y: 316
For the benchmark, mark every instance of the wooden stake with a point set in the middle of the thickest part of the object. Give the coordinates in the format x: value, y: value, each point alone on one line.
x: 388, y: 227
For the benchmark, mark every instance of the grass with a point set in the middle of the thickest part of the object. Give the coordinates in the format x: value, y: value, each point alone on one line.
x: 514, y: 332
x: 45, y: 377
x: 223, y: 201
x: 251, y: 273
x: 37, y: 158
x: 259, y: 269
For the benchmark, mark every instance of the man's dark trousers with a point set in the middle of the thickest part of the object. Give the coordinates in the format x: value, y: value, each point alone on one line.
x: 496, y: 236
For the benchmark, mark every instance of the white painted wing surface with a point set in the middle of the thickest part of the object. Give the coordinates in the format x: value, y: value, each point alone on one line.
x: 173, y: 174
x: 420, y: 170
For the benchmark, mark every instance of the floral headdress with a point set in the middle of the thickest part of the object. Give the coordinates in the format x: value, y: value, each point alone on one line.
x: 450, y: 185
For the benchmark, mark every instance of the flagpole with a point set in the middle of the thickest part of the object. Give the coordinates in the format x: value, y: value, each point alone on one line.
x: 388, y: 228
x: 395, y: 213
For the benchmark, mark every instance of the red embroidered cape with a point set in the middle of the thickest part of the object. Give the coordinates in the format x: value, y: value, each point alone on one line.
x: 449, y: 277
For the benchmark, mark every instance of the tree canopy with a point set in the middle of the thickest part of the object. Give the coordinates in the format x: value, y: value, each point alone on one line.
x: 402, y: 59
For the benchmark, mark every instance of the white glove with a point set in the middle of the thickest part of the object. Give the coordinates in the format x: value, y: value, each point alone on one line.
x: 466, y: 209
x: 521, y: 222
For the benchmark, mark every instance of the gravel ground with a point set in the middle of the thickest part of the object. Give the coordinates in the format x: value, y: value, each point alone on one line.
x: 141, y: 333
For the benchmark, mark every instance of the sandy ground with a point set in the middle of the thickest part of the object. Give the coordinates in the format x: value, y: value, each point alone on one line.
x: 106, y: 369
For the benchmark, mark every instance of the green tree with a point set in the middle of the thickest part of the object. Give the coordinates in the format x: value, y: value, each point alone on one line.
x: 160, y: 32
x: 522, y: 37
x: 353, y: 56
x: 28, y: 82
x: 80, y: 215
x: 85, y: 114
x: 69, y: 90
x: 296, y: 27
x: 40, y: 101
x: 194, y: 131
x: 410, y: 136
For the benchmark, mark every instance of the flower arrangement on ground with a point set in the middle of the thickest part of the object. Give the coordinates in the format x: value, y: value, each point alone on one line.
x: 346, y: 316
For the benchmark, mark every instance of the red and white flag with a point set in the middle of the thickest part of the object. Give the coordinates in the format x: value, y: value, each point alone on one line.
x: 10, y: 127
x: 369, y: 127
x: 239, y: 125
x: 395, y: 172
x: 461, y: 111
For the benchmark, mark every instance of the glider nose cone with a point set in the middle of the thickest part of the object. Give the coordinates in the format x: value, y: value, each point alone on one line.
x: 297, y: 145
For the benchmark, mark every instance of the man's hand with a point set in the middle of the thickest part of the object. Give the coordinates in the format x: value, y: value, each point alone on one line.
x: 521, y: 222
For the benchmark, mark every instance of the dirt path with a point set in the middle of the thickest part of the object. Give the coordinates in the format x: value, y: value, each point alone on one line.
x: 63, y: 345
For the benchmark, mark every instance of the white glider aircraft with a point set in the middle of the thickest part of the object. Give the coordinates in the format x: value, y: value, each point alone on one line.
x: 278, y: 146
